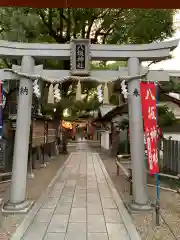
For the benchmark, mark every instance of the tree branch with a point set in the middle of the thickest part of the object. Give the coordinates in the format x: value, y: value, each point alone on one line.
x: 68, y: 34
x: 105, y: 34
x: 103, y: 14
x: 9, y: 65
x: 61, y: 11
x: 49, y: 26
x: 89, y: 28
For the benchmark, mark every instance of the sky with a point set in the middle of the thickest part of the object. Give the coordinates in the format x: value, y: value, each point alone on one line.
x: 174, y: 63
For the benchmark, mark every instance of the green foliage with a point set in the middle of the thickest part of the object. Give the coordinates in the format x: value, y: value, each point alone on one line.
x: 166, y: 117
x: 124, y: 124
x: 76, y: 108
x: 101, y: 25
x: 114, y: 99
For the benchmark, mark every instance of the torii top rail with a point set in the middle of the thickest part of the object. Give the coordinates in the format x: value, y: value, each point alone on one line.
x: 145, y: 52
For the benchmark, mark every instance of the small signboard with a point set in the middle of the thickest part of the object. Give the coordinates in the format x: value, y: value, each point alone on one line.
x: 80, y: 57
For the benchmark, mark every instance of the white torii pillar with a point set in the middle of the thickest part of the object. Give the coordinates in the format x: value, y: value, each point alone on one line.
x: 139, y: 174
x: 17, y: 201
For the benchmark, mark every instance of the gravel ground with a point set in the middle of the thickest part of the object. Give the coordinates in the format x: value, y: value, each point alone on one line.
x: 35, y: 187
x: 145, y: 223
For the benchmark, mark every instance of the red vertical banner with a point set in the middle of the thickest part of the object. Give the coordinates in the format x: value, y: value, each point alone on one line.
x: 148, y: 100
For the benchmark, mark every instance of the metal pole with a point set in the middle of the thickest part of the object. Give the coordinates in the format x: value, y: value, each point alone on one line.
x: 139, y: 175
x: 1, y: 109
x: 20, y: 158
x: 157, y: 174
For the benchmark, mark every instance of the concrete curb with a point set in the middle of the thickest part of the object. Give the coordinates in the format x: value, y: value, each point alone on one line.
x: 130, y: 227
x: 32, y: 213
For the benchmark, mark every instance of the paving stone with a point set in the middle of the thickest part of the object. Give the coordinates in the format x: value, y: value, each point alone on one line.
x: 96, y: 223
x: 117, y: 231
x: 79, y: 203
x: 35, y: 231
x: 94, y: 208
x: 97, y: 236
x: 76, y: 228
x: 105, y: 195
x: 50, y: 203
x: 94, y: 190
x: 92, y: 185
x: 78, y: 215
x: 55, y: 193
x: 54, y: 236
x: 68, y: 190
x: 93, y: 197
x: 108, y: 203
x: 112, y: 216
x: 70, y: 183
x: 44, y: 215
x: 58, y: 223
x: 81, y: 188
x: 63, y: 208
x: 59, y: 186
x: 75, y: 236
x: 80, y: 194
x: 66, y: 198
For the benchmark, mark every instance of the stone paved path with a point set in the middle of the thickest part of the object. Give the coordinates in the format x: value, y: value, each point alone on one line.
x: 82, y: 205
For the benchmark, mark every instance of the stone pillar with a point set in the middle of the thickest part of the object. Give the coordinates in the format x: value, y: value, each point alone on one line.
x: 17, y: 201
x: 106, y: 140
x: 140, y: 199
x: 102, y: 139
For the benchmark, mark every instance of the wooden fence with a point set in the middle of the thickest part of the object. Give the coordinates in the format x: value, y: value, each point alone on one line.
x: 169, y: 152
x: 169, y: 156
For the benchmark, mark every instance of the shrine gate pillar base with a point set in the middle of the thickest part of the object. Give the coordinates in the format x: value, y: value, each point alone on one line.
x: 17, y: 201
x: 139, y: 174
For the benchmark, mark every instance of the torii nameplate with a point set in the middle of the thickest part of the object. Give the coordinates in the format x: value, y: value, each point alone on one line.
x: 80, y: 57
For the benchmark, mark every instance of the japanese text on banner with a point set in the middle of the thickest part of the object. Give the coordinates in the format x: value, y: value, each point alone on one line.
x: 148, y: 99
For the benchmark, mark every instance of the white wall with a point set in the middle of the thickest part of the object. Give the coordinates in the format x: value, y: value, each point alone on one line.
x: 105, y: 139
x: 175, y: 95
x: 175, y: 136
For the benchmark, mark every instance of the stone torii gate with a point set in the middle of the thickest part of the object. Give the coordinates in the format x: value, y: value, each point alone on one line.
x: 134, y: 54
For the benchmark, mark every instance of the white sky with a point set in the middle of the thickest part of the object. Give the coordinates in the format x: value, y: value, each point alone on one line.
x: 174, y: 63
